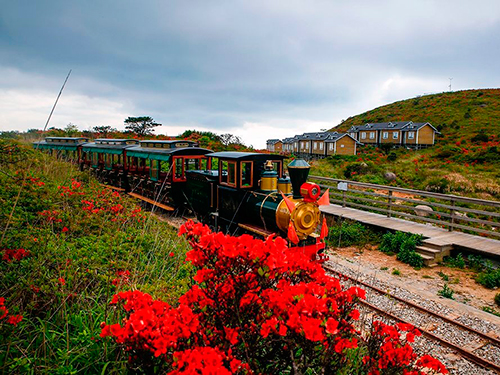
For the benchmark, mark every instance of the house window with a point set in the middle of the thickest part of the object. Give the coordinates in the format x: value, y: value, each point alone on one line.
x: 363, y: 135
x: 331, y: 146
x: 411, y: 135
x: 315, y: 145
x: 321, y: 146
x: 395, y: 135
x: 342, y: 146
x: 385, y: 135
x: 372, y: 135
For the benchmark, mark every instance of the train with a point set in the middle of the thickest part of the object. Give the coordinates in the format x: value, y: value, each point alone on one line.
x: 233, y: 192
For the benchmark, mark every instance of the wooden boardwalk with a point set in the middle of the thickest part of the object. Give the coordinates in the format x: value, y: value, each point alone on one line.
x: 442, y: 237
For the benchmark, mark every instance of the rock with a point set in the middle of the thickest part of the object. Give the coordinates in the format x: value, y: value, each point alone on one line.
x: 389, y: 176
x: 364, y: 165
x: 460, y: 214
x: 422, y: 210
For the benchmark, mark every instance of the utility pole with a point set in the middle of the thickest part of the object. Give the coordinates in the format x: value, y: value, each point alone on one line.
x: 450, y: 83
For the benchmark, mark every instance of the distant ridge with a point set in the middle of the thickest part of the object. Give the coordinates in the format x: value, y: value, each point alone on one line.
x: 455, y: 114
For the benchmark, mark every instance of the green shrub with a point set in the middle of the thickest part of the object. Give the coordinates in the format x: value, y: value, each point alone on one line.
x: 457, y: 262
x: 349, y: 234
x: 396, y: 272
x: 448, y: 151
x: 480, y: 137
x: 446, y: 292
x: 489, y: 278
x: 497, y: 299
x: 404, y: 245
x: 392, y: 156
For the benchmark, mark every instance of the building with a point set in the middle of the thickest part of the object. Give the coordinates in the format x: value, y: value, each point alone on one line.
x: 399, y: 133
x: 274, y: 145
x: 322, y: 144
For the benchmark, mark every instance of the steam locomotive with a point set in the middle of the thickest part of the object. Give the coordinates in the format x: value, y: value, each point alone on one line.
x: 236, y: 192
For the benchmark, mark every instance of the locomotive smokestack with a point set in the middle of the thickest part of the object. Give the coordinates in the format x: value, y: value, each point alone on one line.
x: 298, y: 171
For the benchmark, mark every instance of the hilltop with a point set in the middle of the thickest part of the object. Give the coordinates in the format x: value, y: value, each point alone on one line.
x: 455, y: 114
x: 465, y: 159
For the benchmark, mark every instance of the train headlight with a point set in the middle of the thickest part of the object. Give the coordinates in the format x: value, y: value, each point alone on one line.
x: 310, y: 192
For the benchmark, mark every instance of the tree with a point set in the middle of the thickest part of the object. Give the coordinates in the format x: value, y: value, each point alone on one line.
x: 141, y: 125
x: 71, y: 129
x: 230, y: 139
x: 103, y: 129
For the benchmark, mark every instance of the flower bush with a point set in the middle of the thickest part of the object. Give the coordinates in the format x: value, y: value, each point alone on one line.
x: 258, y: 307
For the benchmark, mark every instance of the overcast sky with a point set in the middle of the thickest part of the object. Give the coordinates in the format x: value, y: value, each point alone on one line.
x: 256, y: 69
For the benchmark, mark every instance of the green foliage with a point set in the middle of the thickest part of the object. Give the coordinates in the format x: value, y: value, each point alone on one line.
x: 490, y: 310
x: 490, y: 278
x: 446, y: 292
x: 142, y: 126
x: 480, y: 137
x: 392, y: 156
x: 457, y: 262
x: 396, y: 272
x: 63, y: 287
x: 497, y: 299
x: 404, y: 245
x: 444, y: 276
x: 345, y: 233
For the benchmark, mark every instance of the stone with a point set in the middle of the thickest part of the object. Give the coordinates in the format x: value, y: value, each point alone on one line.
x: 389, y: 176
x: 423, y: 211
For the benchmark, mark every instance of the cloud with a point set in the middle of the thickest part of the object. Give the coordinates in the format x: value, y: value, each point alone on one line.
x: 230, y: 66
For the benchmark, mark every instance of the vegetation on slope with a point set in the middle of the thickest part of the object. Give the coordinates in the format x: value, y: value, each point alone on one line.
x: 465, y: 159
x: 67, y: 245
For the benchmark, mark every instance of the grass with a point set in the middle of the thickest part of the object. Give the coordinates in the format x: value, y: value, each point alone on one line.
x: 396, y: 272
x: 343, y: 233
x: 446, y: 292
x: 77, y: 260
x: 465, y: 159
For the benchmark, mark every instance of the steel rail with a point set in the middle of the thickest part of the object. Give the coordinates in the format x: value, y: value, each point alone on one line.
x: 479, y: 360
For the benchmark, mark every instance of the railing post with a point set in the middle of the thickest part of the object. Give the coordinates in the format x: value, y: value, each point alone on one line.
x: 343, y: 198
x: 452, y: 213
x: 390, y: 203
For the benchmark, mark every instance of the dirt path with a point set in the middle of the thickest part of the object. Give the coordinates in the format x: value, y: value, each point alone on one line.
x: 462, y: 282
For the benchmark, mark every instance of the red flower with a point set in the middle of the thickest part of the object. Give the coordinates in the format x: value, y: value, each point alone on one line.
x: 61, y: 281
x: 14, y: 319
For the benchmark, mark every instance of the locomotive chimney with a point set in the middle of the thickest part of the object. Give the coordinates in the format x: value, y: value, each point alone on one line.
x: 298, y: 171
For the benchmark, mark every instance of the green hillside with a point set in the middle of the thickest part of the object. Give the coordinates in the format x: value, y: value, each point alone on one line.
x: 465, y: 159
x: 456, y: 114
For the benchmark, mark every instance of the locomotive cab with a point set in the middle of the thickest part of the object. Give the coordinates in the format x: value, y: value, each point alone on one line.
x: 249, y: 192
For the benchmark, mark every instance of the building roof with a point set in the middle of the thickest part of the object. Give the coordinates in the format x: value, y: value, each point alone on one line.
x: 337, y: 136
x: 392, y: 125
x: 245, y: 155
x: 273, y: 141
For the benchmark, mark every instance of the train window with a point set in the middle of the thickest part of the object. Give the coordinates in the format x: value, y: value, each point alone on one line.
x: 231, y: 173
x: 277, y: 167
x: 192, y: 164
x: 109, y: 160
x: 179, y: 168
x: 155, y: 168
x: 246, y: 174
x: 223, y: 172
x: 227, y: 173
x: 95, y: 158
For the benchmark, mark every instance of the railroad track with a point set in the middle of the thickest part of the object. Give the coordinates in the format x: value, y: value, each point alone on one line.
x: 476, y: 346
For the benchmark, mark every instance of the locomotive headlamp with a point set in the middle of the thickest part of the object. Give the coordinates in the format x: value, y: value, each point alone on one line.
x: 310, y: 191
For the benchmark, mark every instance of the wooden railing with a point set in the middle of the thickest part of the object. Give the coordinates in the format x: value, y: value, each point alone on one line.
x: 451, y: 211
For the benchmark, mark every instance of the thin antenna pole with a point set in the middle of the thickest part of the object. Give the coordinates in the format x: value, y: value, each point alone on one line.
x: 450, y: 83
x: 58, y: 96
